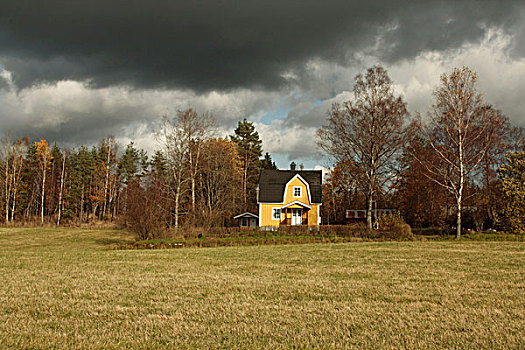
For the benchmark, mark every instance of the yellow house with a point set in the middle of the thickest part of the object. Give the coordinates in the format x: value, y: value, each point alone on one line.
x: 289, y: 197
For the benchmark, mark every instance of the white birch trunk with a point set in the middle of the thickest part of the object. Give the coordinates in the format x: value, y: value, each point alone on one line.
x: 7, y: 189
x: 106, y: 183
x: 60, y: 194
x: 43, y: 191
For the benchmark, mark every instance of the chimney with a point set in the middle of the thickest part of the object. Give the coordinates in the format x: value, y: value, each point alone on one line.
x: 292, y: 166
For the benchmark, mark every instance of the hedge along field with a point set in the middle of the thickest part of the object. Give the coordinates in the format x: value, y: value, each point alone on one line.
x: 62, y: 288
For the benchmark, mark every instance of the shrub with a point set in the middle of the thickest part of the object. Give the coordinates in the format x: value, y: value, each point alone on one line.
x: 393, y: 226
x: 145, y: 215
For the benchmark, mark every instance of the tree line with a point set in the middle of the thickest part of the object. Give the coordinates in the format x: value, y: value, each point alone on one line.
x: 462, y: 165
x: 195, y: 178
x: 438, y: 170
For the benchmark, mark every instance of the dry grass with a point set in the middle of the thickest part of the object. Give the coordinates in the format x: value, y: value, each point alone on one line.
x: 64, y: 289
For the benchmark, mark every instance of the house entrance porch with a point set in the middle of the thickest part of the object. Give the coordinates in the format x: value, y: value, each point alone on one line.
x: 295, y: 214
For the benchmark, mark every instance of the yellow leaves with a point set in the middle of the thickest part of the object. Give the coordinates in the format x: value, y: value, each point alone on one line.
x: 43, y: 152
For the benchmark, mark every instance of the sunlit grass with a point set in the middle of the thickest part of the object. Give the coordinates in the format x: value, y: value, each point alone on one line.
x: 61, y: 288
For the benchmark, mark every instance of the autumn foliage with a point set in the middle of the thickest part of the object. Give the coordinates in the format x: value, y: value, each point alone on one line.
x: 512, y: 175
x: 460, y: 167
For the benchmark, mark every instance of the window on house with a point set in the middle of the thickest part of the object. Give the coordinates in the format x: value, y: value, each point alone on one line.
x: 244, y: 222
x: 297, y: 191
x: 276, y: 213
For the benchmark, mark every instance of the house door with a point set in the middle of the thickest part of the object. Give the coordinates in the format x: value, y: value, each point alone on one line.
x: 297, y: 216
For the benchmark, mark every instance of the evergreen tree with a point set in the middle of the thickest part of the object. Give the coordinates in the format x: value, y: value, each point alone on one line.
x: 82, y: 167
x: 267, y: 162
x: 133, y: 163
x: 29, y: 189
x: 55, y: 176
x: 132, y: 166
x: 159, y: 164
x: 249, y: 147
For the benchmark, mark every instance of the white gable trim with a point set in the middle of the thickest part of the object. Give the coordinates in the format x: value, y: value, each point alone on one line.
x: 298, y: 203
x: 297, y: 176
x: 246, y: 214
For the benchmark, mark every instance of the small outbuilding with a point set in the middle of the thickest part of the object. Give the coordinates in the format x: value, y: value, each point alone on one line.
x: 247, y: 219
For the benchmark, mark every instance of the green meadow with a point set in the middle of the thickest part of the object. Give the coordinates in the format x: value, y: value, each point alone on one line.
x: 63, y: 288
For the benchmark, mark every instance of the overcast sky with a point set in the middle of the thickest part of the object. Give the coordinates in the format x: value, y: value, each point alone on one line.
x: 77, y: 71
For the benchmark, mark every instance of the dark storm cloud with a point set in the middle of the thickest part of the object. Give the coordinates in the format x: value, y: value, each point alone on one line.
x: 205, y: 45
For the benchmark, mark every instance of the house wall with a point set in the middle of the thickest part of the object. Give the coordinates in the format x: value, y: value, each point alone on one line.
x: 265, y: 213
x: 312, y: 215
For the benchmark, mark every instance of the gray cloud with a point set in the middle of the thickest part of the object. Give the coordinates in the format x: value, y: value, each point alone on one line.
x: 224, y: 44
x: 4, y: 85
x: 77, y: 71
x: 71, y: 113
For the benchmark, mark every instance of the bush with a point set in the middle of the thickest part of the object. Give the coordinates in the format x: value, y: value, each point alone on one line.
x: 393, y: 226
x: 145, y: 215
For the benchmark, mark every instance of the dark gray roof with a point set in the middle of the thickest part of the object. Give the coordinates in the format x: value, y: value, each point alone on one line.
x: 272, y: 182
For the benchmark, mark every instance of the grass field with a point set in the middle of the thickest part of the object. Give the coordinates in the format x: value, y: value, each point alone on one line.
x: 64, y: 289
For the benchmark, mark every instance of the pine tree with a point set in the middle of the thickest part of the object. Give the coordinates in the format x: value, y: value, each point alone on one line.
x: 159, y: 164
x: 267, y: 162
x: 249, y: 147
x: 132, y: 165
x: 82, y: 167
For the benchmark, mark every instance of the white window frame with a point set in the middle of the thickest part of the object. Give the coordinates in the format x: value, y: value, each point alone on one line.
x: 300, y: 191
x: 280, y: 213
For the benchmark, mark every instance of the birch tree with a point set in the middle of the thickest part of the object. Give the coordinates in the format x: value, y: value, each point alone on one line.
x: 6, y: 153
x: 366, y: 131
x: 13, y: 153
x: 44, y: 159
x: 196, y: 129
x: 460, y: 130
x: 110, y: 150
x: 183, y: 138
